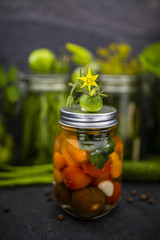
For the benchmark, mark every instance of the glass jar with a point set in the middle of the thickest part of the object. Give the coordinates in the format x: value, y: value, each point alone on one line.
x: 87, y: 161
x: 124, y: 94
x: 154, y: 127
x: 44, y: 96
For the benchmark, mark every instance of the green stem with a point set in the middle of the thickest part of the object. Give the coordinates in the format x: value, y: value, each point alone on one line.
x: 5, y: 167
x: 46, y: 179
x: 21, y: 174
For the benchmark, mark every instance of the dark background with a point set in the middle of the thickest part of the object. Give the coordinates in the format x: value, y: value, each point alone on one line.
x: 29, y: 24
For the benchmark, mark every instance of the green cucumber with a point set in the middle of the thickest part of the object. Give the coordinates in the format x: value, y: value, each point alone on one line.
x: 141, y: 171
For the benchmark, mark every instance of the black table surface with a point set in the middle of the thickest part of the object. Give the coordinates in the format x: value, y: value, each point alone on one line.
x: 33, y: 217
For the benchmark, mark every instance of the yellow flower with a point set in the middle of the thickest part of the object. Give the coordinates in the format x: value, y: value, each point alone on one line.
x: 102, y: 52
x: 89, y: 80
x: 124, y: 50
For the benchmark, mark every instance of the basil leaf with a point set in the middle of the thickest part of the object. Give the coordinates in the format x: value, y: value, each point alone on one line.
x: 98, y: 158
x: 99, y: 146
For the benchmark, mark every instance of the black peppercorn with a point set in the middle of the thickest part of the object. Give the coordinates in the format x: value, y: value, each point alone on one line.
x: 130, y: 200
x: 151, y: 201
x: 143, y: 197
x: 47, y: 192
x: 49, y: 198
x: 60, y: 217
x: 6, y: 209
x: 133, y: 192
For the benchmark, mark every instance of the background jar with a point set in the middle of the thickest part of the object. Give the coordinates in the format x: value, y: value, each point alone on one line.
x: 87, y: 162
x: 124, y: 94
x: 44, y: 94
x: 154, y: 123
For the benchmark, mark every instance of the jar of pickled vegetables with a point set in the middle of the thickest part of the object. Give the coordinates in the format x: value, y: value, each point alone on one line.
x: 45, y: 94
x: 124, y: 93
x: 87, y: 162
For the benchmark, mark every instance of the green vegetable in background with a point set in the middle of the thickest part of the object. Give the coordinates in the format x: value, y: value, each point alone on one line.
x: 62, y: 64
x: 42, y: 60
x: 142, y: 171
x: 13, y: 94
x: 9, y: 90
x: 6, y: 145
x: 9, y: 96
x: 9, y: 175
x: 40, y: 125
x: 80, y: 55
x: 3, y: 77
x: 150, y: 59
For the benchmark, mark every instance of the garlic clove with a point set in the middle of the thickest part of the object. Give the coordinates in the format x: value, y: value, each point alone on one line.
x: 107, y: 188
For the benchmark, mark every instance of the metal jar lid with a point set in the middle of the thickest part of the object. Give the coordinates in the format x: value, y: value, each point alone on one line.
x: 45, y: 82
x: 77, y: 118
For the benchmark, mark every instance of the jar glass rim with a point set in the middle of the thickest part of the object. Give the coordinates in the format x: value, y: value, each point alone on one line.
x: 45, y: 82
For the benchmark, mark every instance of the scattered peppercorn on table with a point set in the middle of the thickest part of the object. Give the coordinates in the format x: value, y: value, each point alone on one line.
x: 33, y: 214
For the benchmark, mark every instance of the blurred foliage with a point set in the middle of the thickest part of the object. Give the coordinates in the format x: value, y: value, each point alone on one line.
x: 62, y: 64
x: 9, y: 96
x: 116, y: 59
x: 81, y: 56
x: 6, y: 144
x: 150, y: 59
x: 9, y: 89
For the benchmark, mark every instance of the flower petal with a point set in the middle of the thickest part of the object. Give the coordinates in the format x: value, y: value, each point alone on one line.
x: 85, y: 84
x: 94, y: 77
x: 89, y: 74
x: 94, y: 84
x: 82, y: 78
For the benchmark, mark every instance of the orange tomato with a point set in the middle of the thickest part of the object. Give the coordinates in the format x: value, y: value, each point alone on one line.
x: 74, y: 151
x: 116, y: 193
x: 57, y: 143
x: 68, y: 159
x: 116, y: 169
x: 118, y: 145
x: 94, y: 171
x: 58, y: 160
x: 57, y: 175
x: 74, y: 178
